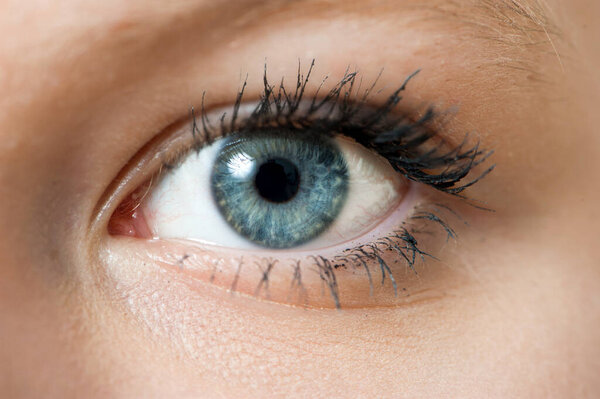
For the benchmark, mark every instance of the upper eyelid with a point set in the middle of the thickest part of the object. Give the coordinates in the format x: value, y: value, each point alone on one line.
x: 346, y: 104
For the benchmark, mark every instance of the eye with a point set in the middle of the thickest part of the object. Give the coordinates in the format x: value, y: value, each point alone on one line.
x: 298, y: 201
x: 276, y: 189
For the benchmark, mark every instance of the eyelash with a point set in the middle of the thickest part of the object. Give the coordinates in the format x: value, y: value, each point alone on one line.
x: 412, y: 147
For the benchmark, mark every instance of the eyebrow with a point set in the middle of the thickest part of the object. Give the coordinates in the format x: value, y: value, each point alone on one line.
x: 530, y: 22
x: 522, y: 15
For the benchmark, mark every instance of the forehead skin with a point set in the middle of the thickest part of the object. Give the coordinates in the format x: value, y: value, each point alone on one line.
x: 84, y: 85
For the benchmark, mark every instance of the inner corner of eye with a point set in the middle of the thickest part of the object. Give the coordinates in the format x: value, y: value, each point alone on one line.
x: 271, y: 190
x: 128, y: 218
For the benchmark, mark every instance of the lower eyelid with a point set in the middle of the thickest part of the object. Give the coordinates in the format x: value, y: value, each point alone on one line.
x: 202, y: 269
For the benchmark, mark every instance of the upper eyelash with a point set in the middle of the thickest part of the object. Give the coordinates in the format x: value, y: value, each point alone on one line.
x: 413, y: 148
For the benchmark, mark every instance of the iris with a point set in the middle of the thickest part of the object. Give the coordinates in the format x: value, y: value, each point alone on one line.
x: 280, y: 189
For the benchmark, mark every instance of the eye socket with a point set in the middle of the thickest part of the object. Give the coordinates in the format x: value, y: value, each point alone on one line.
x: 276, y: 190
x: 215, y: 191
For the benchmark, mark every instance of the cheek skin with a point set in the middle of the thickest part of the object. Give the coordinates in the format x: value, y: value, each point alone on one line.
x: 204, y: 324
x: 509, y: 308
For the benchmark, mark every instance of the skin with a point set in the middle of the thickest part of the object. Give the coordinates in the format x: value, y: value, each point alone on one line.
x: 510, y: 310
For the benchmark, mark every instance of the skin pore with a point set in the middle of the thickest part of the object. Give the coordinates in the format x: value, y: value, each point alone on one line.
x: 509, y: 310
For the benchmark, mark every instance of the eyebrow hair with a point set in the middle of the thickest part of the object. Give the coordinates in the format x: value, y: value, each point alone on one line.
x: 518, y: 31
x: 527, y: 23
x: 535, y: 11
x: 513, y: 35
x: 524, y: 17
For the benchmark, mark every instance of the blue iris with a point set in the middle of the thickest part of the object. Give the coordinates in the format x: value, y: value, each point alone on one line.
x: 280, y: 189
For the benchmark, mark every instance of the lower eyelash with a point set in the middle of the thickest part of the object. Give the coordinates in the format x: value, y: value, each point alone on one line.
x: 402, y: 242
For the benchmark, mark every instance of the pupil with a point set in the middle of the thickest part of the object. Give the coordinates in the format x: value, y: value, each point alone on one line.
x: 277, y: 180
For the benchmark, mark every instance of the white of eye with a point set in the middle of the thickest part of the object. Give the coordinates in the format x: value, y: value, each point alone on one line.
x: 181, y: 205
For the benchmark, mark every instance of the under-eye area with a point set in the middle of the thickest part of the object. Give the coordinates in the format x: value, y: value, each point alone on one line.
x: 308, y: 196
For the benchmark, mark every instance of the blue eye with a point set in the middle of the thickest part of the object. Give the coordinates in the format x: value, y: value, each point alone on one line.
x: 279, y: 189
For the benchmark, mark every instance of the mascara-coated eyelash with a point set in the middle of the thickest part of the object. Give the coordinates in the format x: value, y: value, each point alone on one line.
x: 412, y: 146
